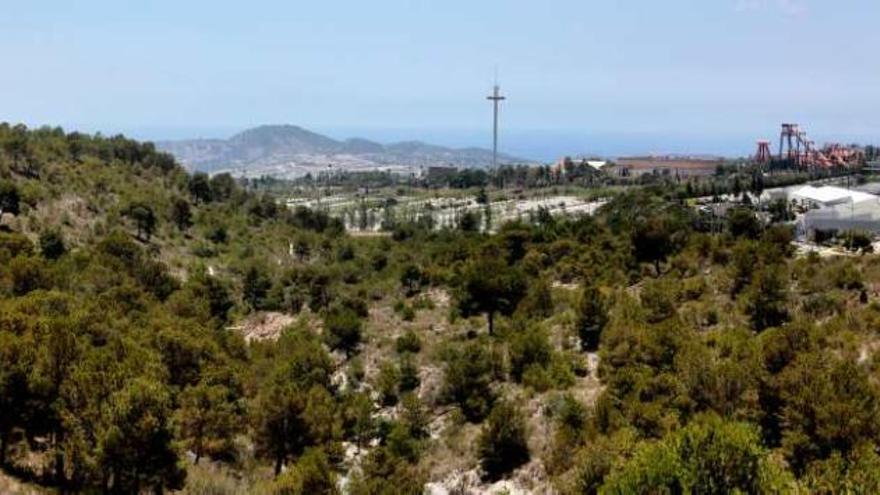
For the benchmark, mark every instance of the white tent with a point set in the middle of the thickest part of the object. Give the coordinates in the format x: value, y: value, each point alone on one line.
x: 830, y: 196
x: 863, y: 216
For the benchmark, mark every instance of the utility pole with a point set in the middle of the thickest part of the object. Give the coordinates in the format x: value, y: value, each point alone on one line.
x: 495, y: 98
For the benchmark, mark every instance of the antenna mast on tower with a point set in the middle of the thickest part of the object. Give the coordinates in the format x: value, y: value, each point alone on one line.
x: 495, y: 98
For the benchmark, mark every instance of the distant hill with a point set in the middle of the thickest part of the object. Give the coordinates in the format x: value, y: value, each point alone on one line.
x: 291, y: 151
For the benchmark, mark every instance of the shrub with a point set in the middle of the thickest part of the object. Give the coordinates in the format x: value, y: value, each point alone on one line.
x: 358, y: 305
x: 422, y: 302
x: 414, y: 415
x: 409, y: 374
x: 395, y: 379
x: 595, y: 460
x: 537, y: 378
x: 562, y: 370
x: 311, y: 475
x: 143, y: 216
x: 823, y: 304
x: 406, y: 312
x: 402, y: 444
x: 855, y: 240
x: 387, y: 383
x: 592, y: 316
x: 379, y: 261
x: 780, y: 237
x: 766, y: 298
x: 345, y: 252
x: 14, y: 244
x: 846, y: 275
x: 356, y: 371
x: 204, y: 251
x: 217, y: 234
x: 384, y: 473
x: 857, y: 473
x: 468, y: 376
x: 52, y: 245
x: 412, y: 279
x: 710, y: 455
x: 28, y: 274
x: 538, y: 301
x: 830, y: 405
x: 256, y: 285
x: 528, y: 349
x: 742, y: 222
x: 342, y: 329
x: 408, y: 342
x: 502, y: 445
x: 9, y: 198
x: 570, y: 428
x: 659, y: 299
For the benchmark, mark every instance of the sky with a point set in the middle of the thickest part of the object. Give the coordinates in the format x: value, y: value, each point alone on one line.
x: 581, y: 76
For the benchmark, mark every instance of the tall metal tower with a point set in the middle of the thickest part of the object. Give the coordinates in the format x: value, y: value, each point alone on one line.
x: 495, y: 98
x: 763, y: 155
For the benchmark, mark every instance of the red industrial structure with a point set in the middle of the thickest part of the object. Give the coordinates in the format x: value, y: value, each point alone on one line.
x: 763, y: 155
x: 799, y: 151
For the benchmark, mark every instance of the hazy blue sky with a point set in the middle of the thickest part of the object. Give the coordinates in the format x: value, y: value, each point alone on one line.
x: 706, y: 69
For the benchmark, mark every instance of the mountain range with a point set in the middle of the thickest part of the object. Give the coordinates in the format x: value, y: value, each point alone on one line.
x: 288, y: 151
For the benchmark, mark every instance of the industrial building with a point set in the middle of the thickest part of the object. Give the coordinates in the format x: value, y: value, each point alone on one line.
x: 835, y: 209
x: 863, y: 216
x: 828, y: 196
x: 675, y: 167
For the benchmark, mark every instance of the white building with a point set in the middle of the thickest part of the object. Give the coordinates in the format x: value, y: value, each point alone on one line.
x: 863, y: 216
x: 835, y: 209
x: 827, y: 196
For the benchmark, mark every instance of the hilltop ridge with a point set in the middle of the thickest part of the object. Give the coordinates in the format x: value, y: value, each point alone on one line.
x: 291, y: 151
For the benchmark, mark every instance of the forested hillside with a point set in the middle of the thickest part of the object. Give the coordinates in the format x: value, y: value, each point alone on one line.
x: 627, y: 352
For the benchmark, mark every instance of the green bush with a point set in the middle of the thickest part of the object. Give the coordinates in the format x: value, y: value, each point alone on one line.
x: 591, y: 315
x: 766, y: 298
x: 9, y: 198
x: 501, y: 446
x: 52, y: 245
x: 409, y: 373
x: 311, y: 475
x: 408, y: 342
x: 467, y: 380
x: 710, y: 455
x: 858, y: 472
x: 857, y: 241
x: 384, y: 473
x: 412, y: 279
x: 846, y: 275
x: 14, y: 244
x: 388, y: 383
x: 659, y: 298
x: 342, y: 329
x: 529, y: 348
x: 537, y: 378
x: 404, y: 310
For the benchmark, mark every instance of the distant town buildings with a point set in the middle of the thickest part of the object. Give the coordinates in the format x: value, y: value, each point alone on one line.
x: 675, y: 167
x: 567, y: 166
